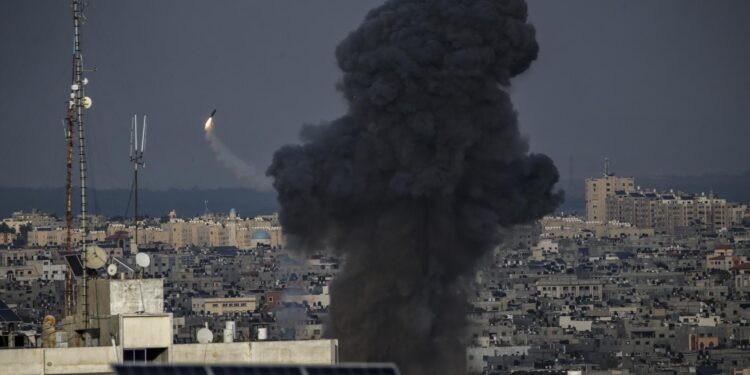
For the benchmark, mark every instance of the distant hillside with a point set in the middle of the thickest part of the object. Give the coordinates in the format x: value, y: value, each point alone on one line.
x: 187, y: 202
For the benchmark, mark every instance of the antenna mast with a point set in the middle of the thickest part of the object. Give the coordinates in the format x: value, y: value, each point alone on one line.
x: 136, y: 157
x: 78, y: 103
x: 69, y: 206
x: 606, y: 167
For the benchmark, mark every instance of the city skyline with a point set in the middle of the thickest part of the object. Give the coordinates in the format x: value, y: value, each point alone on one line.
x: 678, y: 73
x: 416, y: 187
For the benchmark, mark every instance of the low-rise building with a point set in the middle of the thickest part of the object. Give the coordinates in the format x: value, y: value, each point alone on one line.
x: 225, y: 305
x: 570, y: 287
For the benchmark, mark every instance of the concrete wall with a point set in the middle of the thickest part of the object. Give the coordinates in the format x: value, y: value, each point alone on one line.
x: 22, y: 361
x: 274, y: 352
x: 232, y: 353
x: 578, y: 325
x: 146, y: 331
x: 130, y: 296
x: 98, y: 360
x: 295, y: 352
x: 94, y: 360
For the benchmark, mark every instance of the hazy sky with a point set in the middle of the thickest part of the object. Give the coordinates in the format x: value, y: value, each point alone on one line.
x: 659, y: 86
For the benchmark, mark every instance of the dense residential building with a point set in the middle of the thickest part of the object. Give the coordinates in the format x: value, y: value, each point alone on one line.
x: 34, y: 218
x: 565, y: 287
x: 224, y: 283
x: 597, y: 296
x: 46, y: 236
x: 617, y: 199
x: 599, y: 189
x: 574, y: 227
x: 216, y: 231
x: 674, y: 213
x: 209, y: 231
x: 7, y: 238
x: 225, y: 305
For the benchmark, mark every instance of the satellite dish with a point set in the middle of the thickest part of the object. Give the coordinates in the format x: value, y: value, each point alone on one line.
x: 205, y: 336
x: 96, y: 257
x: 142, y: 260
x: 112, y: 270
x: 87, y: 102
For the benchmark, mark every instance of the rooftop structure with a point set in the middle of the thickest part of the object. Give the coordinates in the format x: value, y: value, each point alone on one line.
x: 128, y: 325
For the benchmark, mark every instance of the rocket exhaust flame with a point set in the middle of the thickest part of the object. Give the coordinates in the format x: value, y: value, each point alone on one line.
x: 242, y: 170
x: 415, y: 182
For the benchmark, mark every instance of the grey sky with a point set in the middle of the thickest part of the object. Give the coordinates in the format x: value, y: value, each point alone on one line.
x: 661, y: 87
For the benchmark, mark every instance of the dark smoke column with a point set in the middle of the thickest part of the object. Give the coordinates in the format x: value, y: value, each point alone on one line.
x: 414, y: 182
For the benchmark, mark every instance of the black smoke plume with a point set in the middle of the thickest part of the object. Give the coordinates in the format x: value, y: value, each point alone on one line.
x: 413, y: 184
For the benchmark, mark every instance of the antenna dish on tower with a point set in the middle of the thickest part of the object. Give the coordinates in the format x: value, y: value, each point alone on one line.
x: 142, y: 260
x: 112, y: 270
x: 96, y: 257
x: 205, y: 336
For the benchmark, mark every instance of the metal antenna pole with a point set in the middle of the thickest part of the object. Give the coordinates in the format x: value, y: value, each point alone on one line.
x: 606, y: 167
x: 133, y: 157
x: 69, y: 303
x: 79, y: 105
x: 136, y: 157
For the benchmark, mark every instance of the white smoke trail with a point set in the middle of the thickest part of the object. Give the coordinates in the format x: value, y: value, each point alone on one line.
x: 242, y: 170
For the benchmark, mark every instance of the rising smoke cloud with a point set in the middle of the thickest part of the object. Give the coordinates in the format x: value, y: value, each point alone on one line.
x: 242, y: 170
x: 415, y: 182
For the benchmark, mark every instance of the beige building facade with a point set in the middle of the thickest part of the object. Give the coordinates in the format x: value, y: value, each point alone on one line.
x: 570, y: 287
x: 670, y: 212
x: 599, y: 189
x: 573, y: 227
x: 228, y: 305
x: 230, y: 230
x: 42, y: 237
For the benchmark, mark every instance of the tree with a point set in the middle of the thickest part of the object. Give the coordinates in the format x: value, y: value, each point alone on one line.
x: 722, y: 275
x: 23, y: 235
x: 4, y: 228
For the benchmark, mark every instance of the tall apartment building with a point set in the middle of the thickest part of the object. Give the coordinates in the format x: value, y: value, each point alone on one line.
x: 669, y: 212
x: 613, y: 198
x: 598, y: 189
